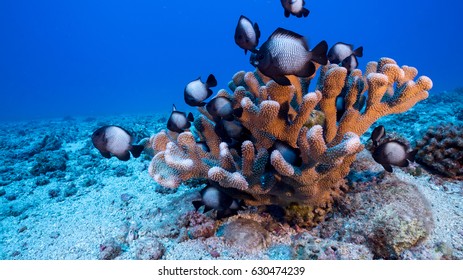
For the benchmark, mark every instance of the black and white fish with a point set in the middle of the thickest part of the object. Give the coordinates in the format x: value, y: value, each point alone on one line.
x: 340, y: 51
x: 295, y: 7
x: 179, y: 121
x: 196, y: 91
x: 287, y: 53
x: 220, y: 108
x: 377, y: 133
x: 290, y: 154
x: 247, y: 35
x: 214, y: 198
x: 393, y: 153
x: 350, y: 63
x: 230, y: 130
x: 115, y: 141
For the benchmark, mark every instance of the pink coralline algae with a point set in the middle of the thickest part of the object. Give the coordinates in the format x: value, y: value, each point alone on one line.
x: 196, y: 225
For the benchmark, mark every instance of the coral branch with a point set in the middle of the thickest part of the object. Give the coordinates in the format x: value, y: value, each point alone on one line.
x: 261, y: 173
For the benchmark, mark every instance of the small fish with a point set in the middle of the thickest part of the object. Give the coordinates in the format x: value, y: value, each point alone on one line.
x: 114, y: 140
x: 378, y: 133
x: 247, y: 35
x: 393, y: 153
x: 179, y: 121
x: 214, y: 198
x: 287, y: 53
x: 350, y: 63
x: 220, y: 108
x: 290, y: 154
x: 196, y: 91
x: 295, y: 7
x: 228, y: 130
x: 341, y: 51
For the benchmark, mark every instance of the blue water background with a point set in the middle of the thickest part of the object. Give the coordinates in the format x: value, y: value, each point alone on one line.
x: 90, y: 58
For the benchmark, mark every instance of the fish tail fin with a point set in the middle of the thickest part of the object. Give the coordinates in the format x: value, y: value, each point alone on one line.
x: 211, y: 81
x: 358, y: 52
x: 136, y: 150
x: 318, y: 53
x: 387, y: 167
x: 238, y: 112
x: 411, y: 155
x: 305, y: 12
x: 197, y: 204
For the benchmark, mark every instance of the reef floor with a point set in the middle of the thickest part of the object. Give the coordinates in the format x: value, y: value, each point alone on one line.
x: 60, y: 199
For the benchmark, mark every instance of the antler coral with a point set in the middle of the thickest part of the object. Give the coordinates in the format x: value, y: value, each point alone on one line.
x: 273, y: 113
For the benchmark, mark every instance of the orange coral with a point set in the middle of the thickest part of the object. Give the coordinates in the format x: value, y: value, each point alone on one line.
x: 272, y: 112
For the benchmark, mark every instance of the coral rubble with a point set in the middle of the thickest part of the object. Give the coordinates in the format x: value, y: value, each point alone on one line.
x: 251, y: 168
x: 441, y: 149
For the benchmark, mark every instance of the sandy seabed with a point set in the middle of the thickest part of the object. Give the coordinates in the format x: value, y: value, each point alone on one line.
x: 60, y: 199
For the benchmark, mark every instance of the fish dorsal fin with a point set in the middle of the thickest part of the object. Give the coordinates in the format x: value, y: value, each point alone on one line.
x: 284, y: 33
x: 174, y: 108
x: 123, y: 129
x: 350, y: 46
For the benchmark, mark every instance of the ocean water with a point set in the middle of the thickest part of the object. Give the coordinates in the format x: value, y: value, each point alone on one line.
x: 68, y: 67
x: 91, y: 58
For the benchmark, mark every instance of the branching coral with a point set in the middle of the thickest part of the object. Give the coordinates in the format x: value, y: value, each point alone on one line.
x: 260, y: 174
